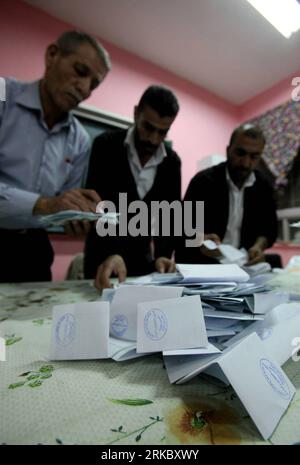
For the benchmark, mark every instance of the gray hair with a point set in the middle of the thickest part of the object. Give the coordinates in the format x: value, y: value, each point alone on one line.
x: 69, y: 41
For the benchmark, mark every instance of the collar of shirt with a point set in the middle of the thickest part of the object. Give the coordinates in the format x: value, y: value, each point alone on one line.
x: 30, y: 98
x: 248, y: 183
x: 155, y: 160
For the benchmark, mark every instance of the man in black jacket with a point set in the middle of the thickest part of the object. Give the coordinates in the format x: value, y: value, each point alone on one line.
x: 239, y: 206
x: 138, y: 163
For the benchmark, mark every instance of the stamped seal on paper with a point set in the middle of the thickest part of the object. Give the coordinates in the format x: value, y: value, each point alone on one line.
x: 275, y: 378
x: 119, y: 325
x: 264, y: 333
x: 155, y: 324
x: 65, y: 330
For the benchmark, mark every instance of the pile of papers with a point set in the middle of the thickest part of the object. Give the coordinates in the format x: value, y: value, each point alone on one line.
x: 63, y: 217
x: 242, y: 335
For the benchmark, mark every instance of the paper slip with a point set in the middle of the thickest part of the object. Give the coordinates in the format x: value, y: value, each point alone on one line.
x: 233, y: 255
x: 182, y: 368
x: 123, y: 312
x: 62, y: 217
x: 219, y: 332
x: 210, y: 245
x: 212, y: 273
x: 263, y: 302
x: 171, y: 324
x: 226, y: 314
x: 120, y: 350
x: 260, y: 383
x: 154, y: 278
x: 80, y: 331
x: 210, y: 349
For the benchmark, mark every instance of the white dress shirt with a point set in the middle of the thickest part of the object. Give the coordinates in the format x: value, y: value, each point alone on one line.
x: 236, y: 210
x: 143, y: 175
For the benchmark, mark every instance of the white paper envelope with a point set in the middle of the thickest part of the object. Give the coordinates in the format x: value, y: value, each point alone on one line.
x: 171, y: 324
x: 260, y: 383
x: 80, y: 331
x: 123, y: 311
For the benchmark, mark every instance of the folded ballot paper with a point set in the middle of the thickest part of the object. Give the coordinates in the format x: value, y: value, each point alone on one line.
x: 63, y: 217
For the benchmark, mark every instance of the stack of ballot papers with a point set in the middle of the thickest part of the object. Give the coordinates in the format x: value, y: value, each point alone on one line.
x: 63, y: 217
x: 242, y: 341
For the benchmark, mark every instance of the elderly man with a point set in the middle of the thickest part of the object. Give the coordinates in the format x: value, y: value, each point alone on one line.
x: 239, y: 206
x: 138, y: 163
x: 44, y: 152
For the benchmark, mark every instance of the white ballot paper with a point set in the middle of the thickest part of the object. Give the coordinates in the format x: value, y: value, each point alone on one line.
x: 80, y: 331
x: 277, y: 331
x: 123, y: 310
x: 258, y: 380
x: 212, y: 273
x: 170, y: 324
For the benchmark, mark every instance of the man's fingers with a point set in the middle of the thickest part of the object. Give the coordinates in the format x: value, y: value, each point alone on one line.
x: 91, y: 195
x: 103, y: 275
x: 172, y: 267
x: 69, y: 230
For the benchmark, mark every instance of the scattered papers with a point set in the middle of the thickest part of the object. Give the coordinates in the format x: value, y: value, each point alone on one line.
x: 63, y: 217
x: 170, y: 324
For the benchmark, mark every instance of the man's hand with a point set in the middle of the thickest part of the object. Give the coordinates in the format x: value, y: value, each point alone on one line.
x: 78, y: 229
x: 255, y: 255
x: 113, y: 265
x: 165, y: 265
x: 211, y: 253
x: 74, y: 199
x: 256, y: 252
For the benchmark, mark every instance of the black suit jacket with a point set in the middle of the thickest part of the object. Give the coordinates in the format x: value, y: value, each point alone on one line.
x: 259, y: 217
x: 110, y: 174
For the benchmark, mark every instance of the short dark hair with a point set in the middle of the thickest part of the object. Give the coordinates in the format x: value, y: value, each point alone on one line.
x: 161, y: 99
x: 69, y: 41
x: 249, y: 130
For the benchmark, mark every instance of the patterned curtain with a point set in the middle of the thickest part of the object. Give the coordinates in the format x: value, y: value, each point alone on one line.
x: 281, y: 127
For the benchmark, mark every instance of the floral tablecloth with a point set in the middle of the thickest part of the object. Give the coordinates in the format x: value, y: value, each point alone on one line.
x: 107, y: 402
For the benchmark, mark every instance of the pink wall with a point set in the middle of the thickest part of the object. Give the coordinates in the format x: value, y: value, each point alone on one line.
x: 269, y: 99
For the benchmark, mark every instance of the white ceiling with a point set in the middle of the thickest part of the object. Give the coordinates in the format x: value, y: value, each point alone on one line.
x: 224, y: 46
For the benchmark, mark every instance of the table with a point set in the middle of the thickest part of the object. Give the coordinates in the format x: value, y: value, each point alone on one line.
x: 107, y: 402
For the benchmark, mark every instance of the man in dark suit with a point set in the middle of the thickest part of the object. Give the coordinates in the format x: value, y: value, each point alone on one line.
x: 239, y: 206
x: 136, y: 162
